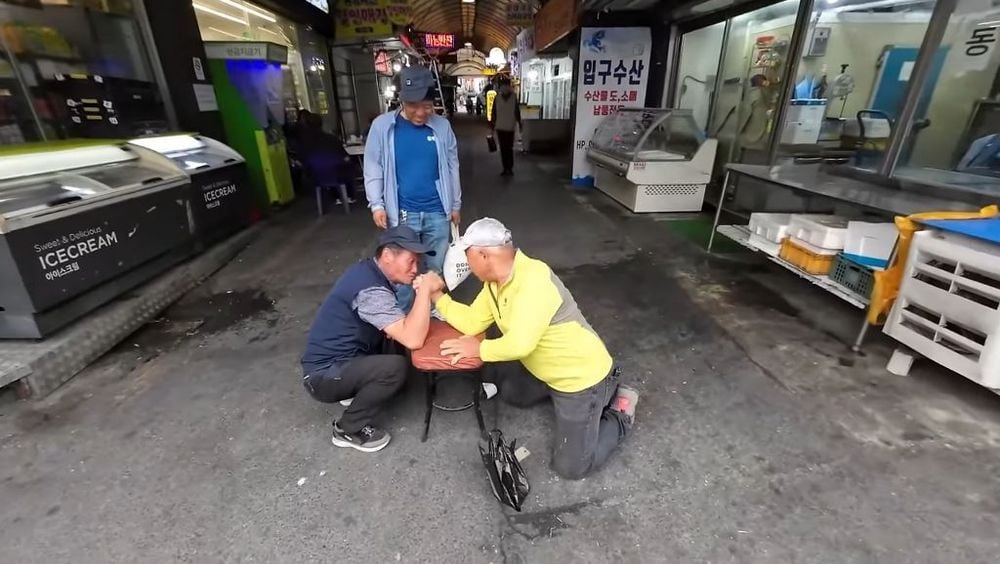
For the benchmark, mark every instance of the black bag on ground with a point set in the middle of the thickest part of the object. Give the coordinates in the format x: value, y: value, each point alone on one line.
x: 507, y: 478
x: 491, y: 142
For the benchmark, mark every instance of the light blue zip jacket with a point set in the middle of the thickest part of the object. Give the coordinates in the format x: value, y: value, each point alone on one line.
x: 380, y: 165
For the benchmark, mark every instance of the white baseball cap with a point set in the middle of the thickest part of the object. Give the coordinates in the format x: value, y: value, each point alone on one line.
x: 485, y: 232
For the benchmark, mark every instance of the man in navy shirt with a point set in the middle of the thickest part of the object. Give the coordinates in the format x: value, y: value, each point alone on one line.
x: 343, y: 360
x: 411, y: 170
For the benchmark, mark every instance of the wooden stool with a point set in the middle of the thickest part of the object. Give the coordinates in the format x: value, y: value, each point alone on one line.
x: 429, y: 362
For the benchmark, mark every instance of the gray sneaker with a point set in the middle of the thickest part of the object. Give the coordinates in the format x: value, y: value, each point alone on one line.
x: 368, y: 439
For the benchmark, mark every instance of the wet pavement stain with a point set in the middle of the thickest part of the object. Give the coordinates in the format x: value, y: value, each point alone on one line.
x: 547, y: 523
x: 224, y: 310
x: 749, y: 292
x: 195, y: 316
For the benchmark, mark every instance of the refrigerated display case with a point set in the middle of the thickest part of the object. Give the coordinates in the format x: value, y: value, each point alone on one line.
x: 81, y: 224
x: 652, y: 159
x: 221, y: 197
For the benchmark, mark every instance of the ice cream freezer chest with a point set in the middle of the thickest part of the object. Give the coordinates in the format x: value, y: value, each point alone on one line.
x: 80, y: 226
x: 221, y: 196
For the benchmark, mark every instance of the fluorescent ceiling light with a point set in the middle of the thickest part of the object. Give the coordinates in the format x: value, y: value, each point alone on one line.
x: 219, y: 31
x: 875, y: 4
x: 76, y: 190
x: 169, y: 143
x: 215, y: 12
x: 250, y: 10
x: 468, y: 1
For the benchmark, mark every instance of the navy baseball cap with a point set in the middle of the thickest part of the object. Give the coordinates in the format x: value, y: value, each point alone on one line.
x: 416, y: 84
x: 405, y: 238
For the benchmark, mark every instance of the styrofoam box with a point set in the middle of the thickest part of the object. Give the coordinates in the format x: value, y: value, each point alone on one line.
x: 813, y: 248
x: 771, y: 227
x: 823, y: 231
x: 870, y: 244
x: 948, y: 308
x: 764, y: 245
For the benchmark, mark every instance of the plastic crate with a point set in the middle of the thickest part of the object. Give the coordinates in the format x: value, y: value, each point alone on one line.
x: 771, y: 227
x: 826, y: 231
x: 813, y: 248
x: 857, y: 278
x: 806, y: 260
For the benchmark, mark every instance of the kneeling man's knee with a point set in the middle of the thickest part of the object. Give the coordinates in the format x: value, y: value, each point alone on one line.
x: 569, y: 469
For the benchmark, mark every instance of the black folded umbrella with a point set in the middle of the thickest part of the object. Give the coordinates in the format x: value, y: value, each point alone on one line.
x: 491, y: 143
x: 506, y: 476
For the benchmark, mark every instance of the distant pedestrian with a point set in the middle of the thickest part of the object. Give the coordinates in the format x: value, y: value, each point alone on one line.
x: 506, y: 120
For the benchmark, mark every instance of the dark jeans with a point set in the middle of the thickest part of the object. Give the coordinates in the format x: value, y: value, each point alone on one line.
x: 586, y: 433
x: 506, y: 141
x: 434, y: 230
x: 370, y: 380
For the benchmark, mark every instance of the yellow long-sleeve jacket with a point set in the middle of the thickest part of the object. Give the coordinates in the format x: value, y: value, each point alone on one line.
x: 541, y: 324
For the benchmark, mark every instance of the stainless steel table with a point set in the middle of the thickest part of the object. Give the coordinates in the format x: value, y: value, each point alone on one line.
x: 811, y: 179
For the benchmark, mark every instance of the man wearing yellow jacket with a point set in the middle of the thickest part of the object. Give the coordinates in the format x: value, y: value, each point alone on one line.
x: 562, y: 356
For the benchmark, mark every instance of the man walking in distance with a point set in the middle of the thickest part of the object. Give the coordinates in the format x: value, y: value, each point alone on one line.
x: 411, y: 170
x: 343, y: 360
x: 506, y: 119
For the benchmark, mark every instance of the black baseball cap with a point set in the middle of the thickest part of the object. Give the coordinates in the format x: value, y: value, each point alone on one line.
x: 416, y: 84
x: 405, y: 238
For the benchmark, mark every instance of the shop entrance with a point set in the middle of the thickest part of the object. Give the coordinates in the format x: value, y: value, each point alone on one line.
x: 852, y: 75
x: 306, y: 77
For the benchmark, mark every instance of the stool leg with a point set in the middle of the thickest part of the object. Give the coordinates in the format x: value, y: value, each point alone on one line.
x: 477, y: 392
x: 343, y: 197
x: 430, y: 385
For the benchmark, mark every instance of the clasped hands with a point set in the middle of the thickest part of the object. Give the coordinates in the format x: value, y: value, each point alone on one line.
x: 457, y: 349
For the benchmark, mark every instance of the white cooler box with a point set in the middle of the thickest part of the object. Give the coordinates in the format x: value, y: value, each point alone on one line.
x: 824, y: 231
x: 768, y: 230
x: 948, y: 308
x: 870, y: 244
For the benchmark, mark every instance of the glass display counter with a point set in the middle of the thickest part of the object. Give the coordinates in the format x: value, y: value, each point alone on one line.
x: 652, y: 160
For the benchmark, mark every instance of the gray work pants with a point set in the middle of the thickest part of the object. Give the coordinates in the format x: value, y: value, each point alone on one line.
x: 586, y: 432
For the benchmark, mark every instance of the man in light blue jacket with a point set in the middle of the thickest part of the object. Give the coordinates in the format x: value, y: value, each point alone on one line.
x: 411, y: 170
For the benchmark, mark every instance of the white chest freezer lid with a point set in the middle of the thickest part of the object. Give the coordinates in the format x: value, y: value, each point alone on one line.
x: 23, y: 165
x: 190, y: 152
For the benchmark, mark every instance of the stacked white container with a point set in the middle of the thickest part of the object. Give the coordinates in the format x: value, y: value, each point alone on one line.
x: 870, y: 244
x: 820, y: 234
x: 768, y: 230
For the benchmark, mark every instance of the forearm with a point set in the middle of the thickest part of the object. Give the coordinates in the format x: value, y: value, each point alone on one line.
x: 467, y: 319
x: 417, y: 322
x: 374, y: 191
x: 456, y: 176
x: 374, y: 175
x: 506, y: 348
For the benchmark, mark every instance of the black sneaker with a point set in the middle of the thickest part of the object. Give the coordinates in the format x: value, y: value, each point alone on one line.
x: 368, y: 439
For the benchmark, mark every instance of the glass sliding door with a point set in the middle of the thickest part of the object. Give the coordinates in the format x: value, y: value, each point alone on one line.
x: 755, y: 59
x: 853, y: 77
x: 697, y: 70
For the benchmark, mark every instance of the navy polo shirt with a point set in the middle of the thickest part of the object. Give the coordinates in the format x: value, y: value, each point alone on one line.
x: 416, y: 167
